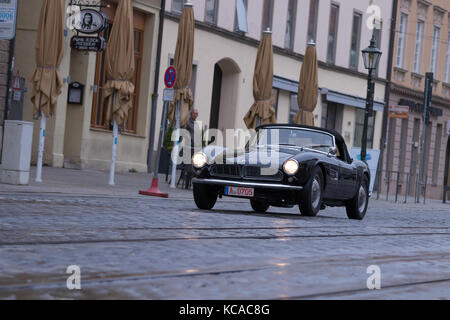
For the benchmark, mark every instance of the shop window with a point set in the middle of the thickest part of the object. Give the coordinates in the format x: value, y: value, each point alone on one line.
x: 293, y: 107
x: 99, y: 111
x: 275, y: 96
x: 437, y: 153
x: 359, y: 126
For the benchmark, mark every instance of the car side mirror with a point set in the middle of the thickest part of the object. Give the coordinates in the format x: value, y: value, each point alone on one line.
x: 332, y: 151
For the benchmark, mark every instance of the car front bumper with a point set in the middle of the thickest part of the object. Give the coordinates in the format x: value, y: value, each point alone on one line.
x: 247, y: 184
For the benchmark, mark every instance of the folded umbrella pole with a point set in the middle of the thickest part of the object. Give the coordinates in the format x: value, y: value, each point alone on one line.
x: 41, y: 148
x: 112, y: 170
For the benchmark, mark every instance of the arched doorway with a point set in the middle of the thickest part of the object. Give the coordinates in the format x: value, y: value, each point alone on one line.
x: 447, y: 167
x: 225, y: 94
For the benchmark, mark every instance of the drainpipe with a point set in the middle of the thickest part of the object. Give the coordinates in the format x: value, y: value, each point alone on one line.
x: 150, y: 156
x: 387, y: 93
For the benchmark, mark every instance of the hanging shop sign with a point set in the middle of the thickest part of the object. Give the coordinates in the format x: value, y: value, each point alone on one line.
x: 84, y: 43
x: 398, y: 112
x: 8, y: 16
x: 89, y: 21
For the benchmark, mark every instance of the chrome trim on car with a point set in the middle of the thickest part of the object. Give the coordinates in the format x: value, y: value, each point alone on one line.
x: 247, y: 184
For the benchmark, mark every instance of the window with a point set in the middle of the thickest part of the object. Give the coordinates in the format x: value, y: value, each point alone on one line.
x: 401, y: 40
x: 447, y: 61
x: 211, y: 11
x: 356, y: 38
x: 437, y: 153
x: 293, y: 107
x: 275, y: 96
x: 193, y: 83
x: 419, y: 46
x: 290, y: 24
x: 240, y: 20
x: 435, y: 49
x: 332, y: 33
x: 98, y: 115
x: 177, y: 5
x: 359, y: 125
x: 267, y: 15
x: 378, y: 32
x: 312, y: 23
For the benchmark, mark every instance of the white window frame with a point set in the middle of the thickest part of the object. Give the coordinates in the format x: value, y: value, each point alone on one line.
x: 447, y: 61
x: 241, y: 22
x: 435, y: 49
x: 216, y: 10
x: 418, y: 50
x: 401, y: 45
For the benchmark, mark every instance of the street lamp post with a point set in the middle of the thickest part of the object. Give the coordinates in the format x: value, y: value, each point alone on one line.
x: 371, y: 56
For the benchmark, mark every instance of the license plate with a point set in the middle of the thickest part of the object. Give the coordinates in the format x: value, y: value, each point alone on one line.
x: 240, y: 192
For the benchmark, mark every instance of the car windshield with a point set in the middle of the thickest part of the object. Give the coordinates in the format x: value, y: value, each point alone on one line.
x: 292, y: 137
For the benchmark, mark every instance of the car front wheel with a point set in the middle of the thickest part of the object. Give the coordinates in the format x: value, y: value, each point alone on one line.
x: 311, y: 196
x: 357, y: 207
x: 205, y: 197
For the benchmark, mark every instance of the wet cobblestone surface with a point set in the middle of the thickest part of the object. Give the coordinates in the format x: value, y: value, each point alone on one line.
x: 146, y: 248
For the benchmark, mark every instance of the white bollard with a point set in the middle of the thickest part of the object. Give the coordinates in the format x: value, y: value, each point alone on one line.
x: 41, y: 148
x: 176, y: 150
x: 114, y: 153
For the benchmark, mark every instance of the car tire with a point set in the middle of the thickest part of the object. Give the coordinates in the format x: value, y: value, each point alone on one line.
x: 357, y: 207
x: 205, y: 197
x: 312, y: 194
x: 259, y: 206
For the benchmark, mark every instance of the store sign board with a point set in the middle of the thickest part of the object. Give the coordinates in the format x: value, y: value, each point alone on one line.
x: 8, y: 17
x: 399, y: 112
x: 89, y: 21
x: 84, y: 43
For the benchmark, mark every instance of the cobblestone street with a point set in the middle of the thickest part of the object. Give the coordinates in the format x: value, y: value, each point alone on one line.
x: 134, y: 247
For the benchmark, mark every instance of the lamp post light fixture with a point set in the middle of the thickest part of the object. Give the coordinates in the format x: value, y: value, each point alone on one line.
x: 371, y: 56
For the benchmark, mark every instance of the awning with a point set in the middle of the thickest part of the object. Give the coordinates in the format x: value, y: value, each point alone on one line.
x: 350, y: 100
x: 330, y: 95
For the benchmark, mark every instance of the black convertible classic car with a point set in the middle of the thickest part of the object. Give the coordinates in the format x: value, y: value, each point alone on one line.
x: 284, y: 166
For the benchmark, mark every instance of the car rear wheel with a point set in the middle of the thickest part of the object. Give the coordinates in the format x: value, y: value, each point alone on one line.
x: 311, y: 196
x: 205, y: 197
x: 259, y: 206
x: 357, y: 207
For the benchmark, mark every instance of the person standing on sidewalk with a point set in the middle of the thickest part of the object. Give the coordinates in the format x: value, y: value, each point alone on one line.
x: 192, y: 127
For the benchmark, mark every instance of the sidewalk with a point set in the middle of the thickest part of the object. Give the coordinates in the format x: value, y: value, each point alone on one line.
x: 95, y: 183
x: 92, y: 183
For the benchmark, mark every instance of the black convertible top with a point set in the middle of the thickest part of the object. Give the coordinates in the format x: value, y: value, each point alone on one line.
x: 340, y: 141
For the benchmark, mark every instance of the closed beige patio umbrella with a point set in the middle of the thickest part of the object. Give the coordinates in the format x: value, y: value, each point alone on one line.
x: 262, y: 111
x: 184, y: 55
x: 46, y: 81
x: 119, y: 65
x: 308, y: 88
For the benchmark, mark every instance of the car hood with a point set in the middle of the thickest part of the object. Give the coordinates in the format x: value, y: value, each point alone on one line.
x: 269, y: 157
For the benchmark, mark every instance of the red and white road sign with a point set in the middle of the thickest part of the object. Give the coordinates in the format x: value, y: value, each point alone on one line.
x: 170, y: 77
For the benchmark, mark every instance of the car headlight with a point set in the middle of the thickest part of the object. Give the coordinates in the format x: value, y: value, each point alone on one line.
x: 290, y: 167
x: 199, y: 160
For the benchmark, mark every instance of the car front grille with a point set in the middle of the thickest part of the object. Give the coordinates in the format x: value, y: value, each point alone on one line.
x: 235, y: 171
x: 227, y: 170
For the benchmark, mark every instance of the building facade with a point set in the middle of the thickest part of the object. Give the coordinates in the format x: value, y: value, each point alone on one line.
x: 227, y: 35
x: 77, y: 136
x: 422, y: 44
x: 225, y: 53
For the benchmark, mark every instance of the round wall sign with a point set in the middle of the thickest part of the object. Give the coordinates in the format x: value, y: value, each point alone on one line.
x: 170, y: 77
